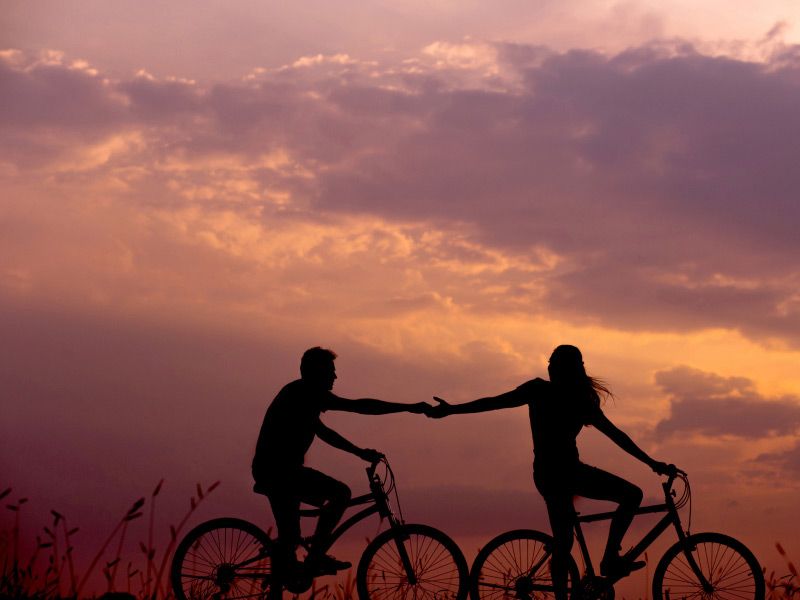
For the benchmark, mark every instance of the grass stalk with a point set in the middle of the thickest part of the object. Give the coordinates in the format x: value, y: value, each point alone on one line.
x: 150, y: 550
x: 174, y: 531
x: 132, y: 513
x: 73, y: 584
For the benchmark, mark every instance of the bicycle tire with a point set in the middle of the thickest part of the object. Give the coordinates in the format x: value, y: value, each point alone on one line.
x: 501, y: 568
x: 439, y: 566
x: 203, y: 564
x: 731, y: 569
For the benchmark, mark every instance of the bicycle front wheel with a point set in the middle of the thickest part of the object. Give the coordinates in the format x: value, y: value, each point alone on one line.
x: 729, y: 570
x: 222, y: 559
x: 412, y: 561
x: 516, y: 565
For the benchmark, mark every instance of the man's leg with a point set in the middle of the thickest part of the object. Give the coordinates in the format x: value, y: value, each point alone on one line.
x: 331, y: 496
x: 286, y: 511
x: 601, y: 485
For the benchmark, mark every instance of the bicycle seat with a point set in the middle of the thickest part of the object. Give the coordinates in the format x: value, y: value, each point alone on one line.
x: 310, y: 511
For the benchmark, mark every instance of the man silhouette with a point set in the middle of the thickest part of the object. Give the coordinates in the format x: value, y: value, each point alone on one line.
x: 290, y: 425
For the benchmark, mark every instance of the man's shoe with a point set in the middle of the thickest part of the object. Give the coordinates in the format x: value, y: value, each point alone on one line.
x: 328, y: 565
x: 618, y: 566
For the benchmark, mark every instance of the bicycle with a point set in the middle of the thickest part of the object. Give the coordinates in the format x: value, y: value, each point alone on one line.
x: 230, y: 558
x: 515, y: 564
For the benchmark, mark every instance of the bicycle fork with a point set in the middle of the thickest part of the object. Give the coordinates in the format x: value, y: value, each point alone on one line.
x: 687, y: 548
x: 405, y: 559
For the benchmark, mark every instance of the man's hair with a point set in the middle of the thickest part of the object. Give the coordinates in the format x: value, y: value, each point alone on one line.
x: 314, y: 359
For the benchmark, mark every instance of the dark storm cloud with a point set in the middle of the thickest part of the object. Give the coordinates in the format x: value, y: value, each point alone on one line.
x: 712, y: 405
x: 663, y: 179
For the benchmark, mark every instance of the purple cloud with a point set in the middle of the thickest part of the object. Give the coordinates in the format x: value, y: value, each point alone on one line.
x: 662, y: 179
x: 788, y: 460
x: 711, y: 405
x: 54, y: 94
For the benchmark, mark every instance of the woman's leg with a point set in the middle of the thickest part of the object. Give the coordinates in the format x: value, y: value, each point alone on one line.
x: 561, y: 512
x: 601, y: 485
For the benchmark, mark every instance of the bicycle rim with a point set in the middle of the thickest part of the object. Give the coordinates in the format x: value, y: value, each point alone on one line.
x: 438, y: 570
x: 516, y: 565
x: 730, y: 570
x: 222, y: 559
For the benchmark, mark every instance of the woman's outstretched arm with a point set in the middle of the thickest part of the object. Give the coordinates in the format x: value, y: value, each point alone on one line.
x: 510, y: 399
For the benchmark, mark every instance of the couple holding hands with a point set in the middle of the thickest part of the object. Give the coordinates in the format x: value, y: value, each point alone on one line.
x: 558, y: 410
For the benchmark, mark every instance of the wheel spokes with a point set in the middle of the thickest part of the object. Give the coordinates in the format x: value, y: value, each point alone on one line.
x: 435, y: 572
x: 225, y: 563
x: 519, y: 568
x: 728, y: 574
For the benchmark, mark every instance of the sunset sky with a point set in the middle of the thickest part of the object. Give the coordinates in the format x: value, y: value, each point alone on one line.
x: 193, y: 193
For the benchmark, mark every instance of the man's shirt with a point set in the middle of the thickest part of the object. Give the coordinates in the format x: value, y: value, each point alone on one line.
x: 289, y: 427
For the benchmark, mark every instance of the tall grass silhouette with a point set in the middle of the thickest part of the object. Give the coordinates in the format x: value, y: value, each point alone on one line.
x: 49, y: 572
x: 786, y: 587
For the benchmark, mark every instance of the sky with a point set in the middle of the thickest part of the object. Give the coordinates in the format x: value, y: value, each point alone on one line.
x: 193, y: 194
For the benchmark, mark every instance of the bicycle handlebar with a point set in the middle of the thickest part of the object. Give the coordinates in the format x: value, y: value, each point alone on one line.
x: 674, y: 473
x: 670, y: 495
x: 373, y: 465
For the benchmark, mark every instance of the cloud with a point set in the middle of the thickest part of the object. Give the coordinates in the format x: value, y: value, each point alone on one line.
x: 787, y: 460
x: 49, y: 91
x: 714, y: 406
x: 651, y: 190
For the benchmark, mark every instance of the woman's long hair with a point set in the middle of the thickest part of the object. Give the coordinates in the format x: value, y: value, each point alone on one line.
x: 566, y: 369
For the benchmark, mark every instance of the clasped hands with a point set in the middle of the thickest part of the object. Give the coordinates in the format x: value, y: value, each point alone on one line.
x: 442, y: 409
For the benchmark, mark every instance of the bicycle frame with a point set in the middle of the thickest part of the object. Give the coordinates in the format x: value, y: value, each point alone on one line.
x: 670, y: 518
x: 378, y: 503
x: 232, y: 555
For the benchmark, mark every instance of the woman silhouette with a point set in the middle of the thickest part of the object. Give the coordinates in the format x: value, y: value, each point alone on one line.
x: 558, y: 410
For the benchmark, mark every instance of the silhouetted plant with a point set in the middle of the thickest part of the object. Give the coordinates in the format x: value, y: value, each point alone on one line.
x: 786, y: 587
x: 60, y: 579
x: 173, y: 532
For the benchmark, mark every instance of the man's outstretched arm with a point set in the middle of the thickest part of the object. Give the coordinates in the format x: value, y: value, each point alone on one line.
x: 329, y: 436
x: 370, y: 406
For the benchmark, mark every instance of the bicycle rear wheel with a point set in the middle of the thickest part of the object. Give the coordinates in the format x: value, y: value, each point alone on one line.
x: 516, y: 565
x: 729, y: 568
x: 222, y: 559
x: 412, y: 561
